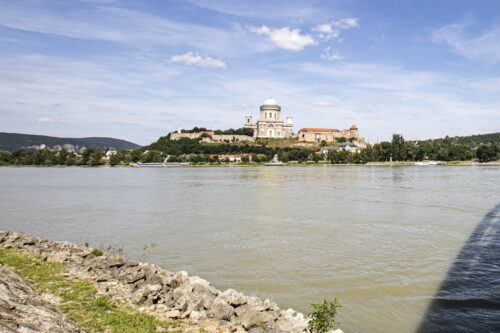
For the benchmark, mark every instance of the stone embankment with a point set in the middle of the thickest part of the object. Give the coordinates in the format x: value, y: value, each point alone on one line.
x: 168, y: 295
x: 23, y: 309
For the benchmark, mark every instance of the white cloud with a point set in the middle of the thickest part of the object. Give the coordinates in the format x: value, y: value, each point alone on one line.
x: 326, y: 31
x: 484, y: 46
x: 190, y: 58
x: 49, y: 120
x: 285, y: 38
x: 331, y: 56
x: 323, y: 103
x: 331, y: 30
x: 346, y: 23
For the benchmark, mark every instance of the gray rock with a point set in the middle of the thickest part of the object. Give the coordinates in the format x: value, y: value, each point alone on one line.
x: 221, y: 309
x: 115, y: 262
x: 233, y: 297
x: 135, y: 276
x: 198, y: 315
x: 174, y: 314
x: 23, y: 310
x: 252, y: 316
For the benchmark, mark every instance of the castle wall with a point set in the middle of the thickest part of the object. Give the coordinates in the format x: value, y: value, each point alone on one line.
x: 212, y: 138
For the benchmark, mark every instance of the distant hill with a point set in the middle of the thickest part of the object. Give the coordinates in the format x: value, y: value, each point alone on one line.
x: 475, y: 140
x: 13, y: 141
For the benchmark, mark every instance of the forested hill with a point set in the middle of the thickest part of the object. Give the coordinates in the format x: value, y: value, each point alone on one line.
x: 14, y: 141
x: 475, y: 140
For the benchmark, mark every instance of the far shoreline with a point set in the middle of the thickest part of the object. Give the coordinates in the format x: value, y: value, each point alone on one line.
x: 288, y: 164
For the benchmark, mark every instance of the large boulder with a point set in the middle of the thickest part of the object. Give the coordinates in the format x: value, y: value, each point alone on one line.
x: 221, y: 309
x: 254, y: 316
x: 22, y: 309
x: 233, y: 297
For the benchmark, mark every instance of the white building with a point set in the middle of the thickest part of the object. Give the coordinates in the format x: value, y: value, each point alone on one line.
x: 270, y: 124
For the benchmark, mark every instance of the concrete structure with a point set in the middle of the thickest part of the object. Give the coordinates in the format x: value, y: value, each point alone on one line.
x: 212, y: 137
x: 327, y: 134
x: 270, y: 124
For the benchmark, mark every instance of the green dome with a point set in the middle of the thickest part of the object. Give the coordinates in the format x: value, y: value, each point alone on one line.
x: 270, y: 101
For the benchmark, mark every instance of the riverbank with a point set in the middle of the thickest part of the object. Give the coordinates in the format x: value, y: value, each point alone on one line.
x: 309, y: 163
x: 174, y: 299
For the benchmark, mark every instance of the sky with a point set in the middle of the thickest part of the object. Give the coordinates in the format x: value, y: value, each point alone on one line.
x: 138, y: 69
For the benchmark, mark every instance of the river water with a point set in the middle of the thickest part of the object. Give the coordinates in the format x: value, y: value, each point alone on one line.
x: 380, y: 239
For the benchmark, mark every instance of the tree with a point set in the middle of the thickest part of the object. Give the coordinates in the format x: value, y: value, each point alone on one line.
x: 398, y: 148
x: 323, y: 316
x: 114, y: 159
x: 486, y: 153
x: 283, y: 157
x: 323, y: 143
x: 96, y: 158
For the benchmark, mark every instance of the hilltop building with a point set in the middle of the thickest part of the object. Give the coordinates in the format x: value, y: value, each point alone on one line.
x: 269, y: 124
x: 327, y: 134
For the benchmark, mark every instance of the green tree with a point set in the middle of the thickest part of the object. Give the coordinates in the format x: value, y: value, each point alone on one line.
x: 322, y: 316
x: 398, y: 148
x: 95, y: 158
x: 486, y: 153
x: 283, y: 157
x: 114, y: 159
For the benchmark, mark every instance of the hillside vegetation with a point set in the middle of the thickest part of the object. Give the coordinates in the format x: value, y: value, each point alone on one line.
x: 475, y: 140
x: 13, y: 141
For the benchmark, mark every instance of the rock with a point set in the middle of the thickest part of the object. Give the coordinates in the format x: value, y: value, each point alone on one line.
x: 24, y: 310
x: 198, y: 315
x: 252, y: 315
x: 292, y: 321
x: 135, y: 276
x: 146, y: 294
x: 59, y: 256
x: 233, y: 297
x: 174, y: 314
x: 256, y: 330
x: 221, y: 309
x: 115, y: 262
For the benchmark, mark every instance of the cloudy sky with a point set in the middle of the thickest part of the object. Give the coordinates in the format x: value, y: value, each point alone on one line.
x: 137, y: 70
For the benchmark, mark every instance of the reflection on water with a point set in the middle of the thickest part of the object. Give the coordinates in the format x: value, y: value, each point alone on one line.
x: 380, y: 239
x: 469, y: 298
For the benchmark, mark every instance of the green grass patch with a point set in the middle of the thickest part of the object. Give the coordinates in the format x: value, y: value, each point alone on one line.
x: 78, y: 299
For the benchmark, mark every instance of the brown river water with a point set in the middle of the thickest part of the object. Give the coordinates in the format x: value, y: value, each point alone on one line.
x: 380, y: 239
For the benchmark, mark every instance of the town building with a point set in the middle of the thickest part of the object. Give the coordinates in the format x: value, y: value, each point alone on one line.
x: 327, y: 134
x: 269, y: 124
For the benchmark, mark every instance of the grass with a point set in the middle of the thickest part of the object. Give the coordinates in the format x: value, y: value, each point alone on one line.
x: 78, y: 299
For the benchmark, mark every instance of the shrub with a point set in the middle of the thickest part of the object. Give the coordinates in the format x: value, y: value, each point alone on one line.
x: 96, y: 252
x: 323, y: 316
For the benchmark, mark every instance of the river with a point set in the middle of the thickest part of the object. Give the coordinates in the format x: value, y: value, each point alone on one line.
x: 380, y: 239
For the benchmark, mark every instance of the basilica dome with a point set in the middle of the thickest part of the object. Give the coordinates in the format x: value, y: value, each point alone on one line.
x: 270, y: 102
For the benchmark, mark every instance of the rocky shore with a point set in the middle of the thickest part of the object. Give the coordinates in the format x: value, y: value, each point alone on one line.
x: 164, y: 294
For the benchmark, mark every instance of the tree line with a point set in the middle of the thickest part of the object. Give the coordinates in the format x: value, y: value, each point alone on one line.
x: 193, y: 151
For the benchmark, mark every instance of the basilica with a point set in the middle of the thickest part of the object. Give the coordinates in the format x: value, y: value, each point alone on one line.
x: 269, y: 124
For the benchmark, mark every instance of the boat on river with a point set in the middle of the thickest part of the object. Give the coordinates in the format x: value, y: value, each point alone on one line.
x: 428, y: 163
x: 159, y: 164
x: 274, y: 164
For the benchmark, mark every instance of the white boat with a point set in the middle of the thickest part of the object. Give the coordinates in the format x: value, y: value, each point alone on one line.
x: 428, y: 163
x: 274, y: 164
x: 158, y: 164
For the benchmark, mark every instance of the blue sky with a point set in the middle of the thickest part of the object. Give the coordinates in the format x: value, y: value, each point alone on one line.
x: 137, y: 70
